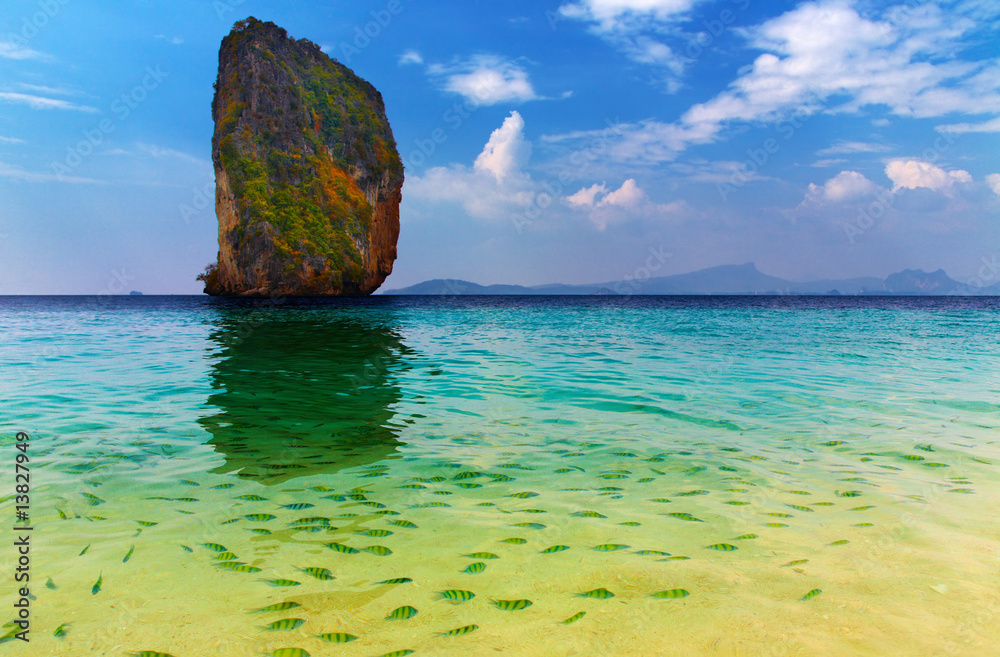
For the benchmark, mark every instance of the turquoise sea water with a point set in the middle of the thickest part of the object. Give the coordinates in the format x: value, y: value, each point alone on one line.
x: 721, y: 476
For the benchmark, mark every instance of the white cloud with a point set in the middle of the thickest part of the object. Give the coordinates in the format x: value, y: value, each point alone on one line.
x: 410, y: 57
x: 11, y: 140
x: 846, y: 186
x: 993, y: 180
x: 825, y: 56
x: 617, y: 15
x: 38, y: 88
x: 11, y: 50
x: 628, y: 202
x: 911, y: 174
x: 828, y: 162
x: 506, y: 152
x: 495, y: 186
x: 627, y: 196
x: 158, y: 152
x: 39, y: 102
x: 587, y: 197
x: 486, y: 80
x: 176, y: 41
x: 843, y: 147
x: 992, y: 125
x: 637, y: 28
x: 18, y: 173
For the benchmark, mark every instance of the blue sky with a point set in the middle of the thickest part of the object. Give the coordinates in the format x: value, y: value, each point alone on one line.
x: 568, y: 141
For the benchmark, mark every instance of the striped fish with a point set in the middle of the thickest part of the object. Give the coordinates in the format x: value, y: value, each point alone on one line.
x: 610, y: 547
x: 243, y: 568
x: 523, y: 495
x: 514, y: 541
x: 298, y: 506
x: 260, y: 517
x: 475, y: 568
x: 530, y: 525
x: 554, y: 549
x: 279, y: 606
x: 150, y: 653
x: 397, y: 580
x: 672, y: 594
x: 379, y: 550
x: 129, y: 554
x: 289, y: 652
x: 512, y: 605
x: 723, y: 547
x: 481, y: 555
x: 812, y: 594
x: 97, y: 585
x: 281, y: 582
x: 340, y: 547
x: 285, y: 624
x: 60, y: 631
x: 398, y: 653
x: 459, y: 631
x: 252, y: 498
x: 402, y: 613
x: 319, y: 573
x: 403, y: 523
x: 746, y: 537
x: 575, y: 617
x: 797, y: 562
x: 587, y: 514
x: 685, y: 516
x: 377, y: 533
x: 457, y: 595
x: 600, y: 594
x: 337, y: 637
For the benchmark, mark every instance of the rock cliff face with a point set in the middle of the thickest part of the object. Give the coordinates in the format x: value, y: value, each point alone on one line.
x: 308, y: 178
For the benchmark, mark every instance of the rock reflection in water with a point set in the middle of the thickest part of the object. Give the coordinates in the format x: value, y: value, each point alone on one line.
x: 303, y: 391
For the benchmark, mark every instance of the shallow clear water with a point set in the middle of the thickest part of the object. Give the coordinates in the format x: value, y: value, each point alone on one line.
x: 744, y: 451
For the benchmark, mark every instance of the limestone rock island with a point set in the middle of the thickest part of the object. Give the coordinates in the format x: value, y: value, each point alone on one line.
x: 308, y: 178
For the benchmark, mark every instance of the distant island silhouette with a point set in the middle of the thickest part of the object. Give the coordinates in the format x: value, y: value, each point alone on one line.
x: 728, y: 280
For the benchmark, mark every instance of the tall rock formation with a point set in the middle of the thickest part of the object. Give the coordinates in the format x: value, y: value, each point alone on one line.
x: 308, y: 178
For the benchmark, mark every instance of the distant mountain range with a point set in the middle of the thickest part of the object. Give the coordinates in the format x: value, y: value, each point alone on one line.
x: 726, y: 279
